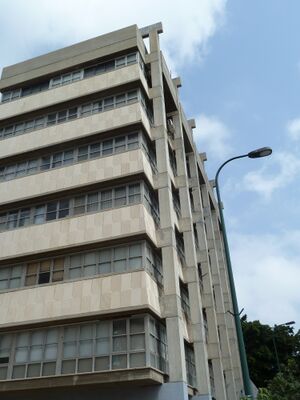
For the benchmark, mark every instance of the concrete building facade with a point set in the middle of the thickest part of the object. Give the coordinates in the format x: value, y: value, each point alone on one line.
x: 113, y: 282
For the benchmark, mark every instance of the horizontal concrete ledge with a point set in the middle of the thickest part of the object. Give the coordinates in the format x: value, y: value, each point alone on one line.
x: 136, y: 377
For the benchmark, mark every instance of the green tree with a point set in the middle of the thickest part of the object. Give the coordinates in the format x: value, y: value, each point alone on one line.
x: 285, y: 385
x: 260, y: 349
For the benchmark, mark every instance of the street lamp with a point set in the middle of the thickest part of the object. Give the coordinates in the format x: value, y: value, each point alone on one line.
x: 261, y: 152
x: 274, y: 341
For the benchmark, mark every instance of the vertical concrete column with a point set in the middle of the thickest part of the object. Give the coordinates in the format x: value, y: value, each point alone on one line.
x: 166, y: 235
x: 225, y: 303
x: 215, y: 353
x: 191, y: 270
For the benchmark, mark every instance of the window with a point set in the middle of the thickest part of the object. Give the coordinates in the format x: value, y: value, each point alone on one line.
x: 61, y: 116
x: 90, y: 202
x: 39, y: 273
x: 185, y: 300
x: 190, y: 364
x: 85, y: 347
x: 11, y: 277
x: 180, y: 244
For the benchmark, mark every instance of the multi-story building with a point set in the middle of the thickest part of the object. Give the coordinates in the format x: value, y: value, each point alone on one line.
x: 113, y: 283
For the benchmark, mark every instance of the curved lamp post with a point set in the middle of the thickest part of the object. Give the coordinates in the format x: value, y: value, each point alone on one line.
x: 262, y: 152
x: 274, y: 341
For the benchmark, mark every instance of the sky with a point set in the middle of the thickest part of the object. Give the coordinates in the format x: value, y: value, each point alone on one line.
x: 239, y: 62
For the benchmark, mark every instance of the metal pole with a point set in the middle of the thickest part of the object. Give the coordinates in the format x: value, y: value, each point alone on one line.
x: 239, y: 332
x: 275, y: 348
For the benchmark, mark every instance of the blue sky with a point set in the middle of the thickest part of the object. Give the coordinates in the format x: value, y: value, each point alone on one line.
x: 240, y: 67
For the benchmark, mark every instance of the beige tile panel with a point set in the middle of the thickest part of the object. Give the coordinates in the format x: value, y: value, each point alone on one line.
x: 75, y: 129
x: 75, y: 231
x: 72, y: 91
x: 84, y: 173
x: 96, y: 296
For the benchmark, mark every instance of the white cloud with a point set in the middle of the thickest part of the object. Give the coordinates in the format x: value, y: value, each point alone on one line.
x: 293, y: 128
x: 31, y: 27
x: 277, y: 172
x: 212, y: 136
x: 267, y: 275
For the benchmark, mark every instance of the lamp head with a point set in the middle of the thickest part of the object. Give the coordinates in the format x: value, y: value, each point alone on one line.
x: 262, y: 152
x: 290, y: 323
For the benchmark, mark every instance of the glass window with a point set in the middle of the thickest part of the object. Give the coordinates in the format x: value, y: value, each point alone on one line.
x: 105, y: 261
x: 132, y: 96
x: 120, y: 99
x: 62, y: 116
x: 91, y: 71
x: 108, y: 103
x: 83, y: 153
x: 24, y: 219
x: 120, y: 144
x: 51, y: 211
x: 95, y: 150
x: 46, y: 162
x: 72, y: 113
x: 57, y: 160
x: 51, y: 119
x: 86, y: 109
x: 120, y: 196
x: 79, y: 205
x: 32, y: 166
x: 29, y: 125
x: 133, y: 141
x: 135, y: 256
x: 107, y: 147
x: 92, y: 202
x: 134, y: 193
x: 106, y: 199
x: 131, y: 58
x: 120, y: 62
x: 39, y: 214
x: 63, y: 210
x: 68, y: 157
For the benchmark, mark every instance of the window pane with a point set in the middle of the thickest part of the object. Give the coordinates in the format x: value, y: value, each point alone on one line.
x: 85, y: 348
x: 108, y: 103
x: 102, y: 363
x: 79, y: 205
x: 107, y: 147
x: 36, y: 353
x: 63, y: 208
x: 119, y: 361
x: 119, y: 327
x: 92, y: 202
x: 103, y: 329
x: 86, y: 331
x: 21, y: 354
x: 39, y: 215
x: 95, y: 150
x: 3, y: 373
x: 120, y: 144
x: 106, y: 199
x: 137, y: 325
x: 50, y: 352
x: 68, y: 367
x: 69, y: 350
x: 83, y: 153
x: 120, y: 196
x: 137, y: 360
x: 70, y: 333
x: 46, y: 162
x: 120, y: 343
x: 18, y: 372
x: 57, y: 160
x: 120, y: 253
x: 51, y: 211
x: 85, y: 365
x: 37, y: 338
x: 102, y: 346
x: 49, y: 369
x: 137, y: 342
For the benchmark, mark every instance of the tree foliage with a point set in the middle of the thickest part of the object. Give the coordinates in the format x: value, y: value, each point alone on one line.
x: 259, y: 342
